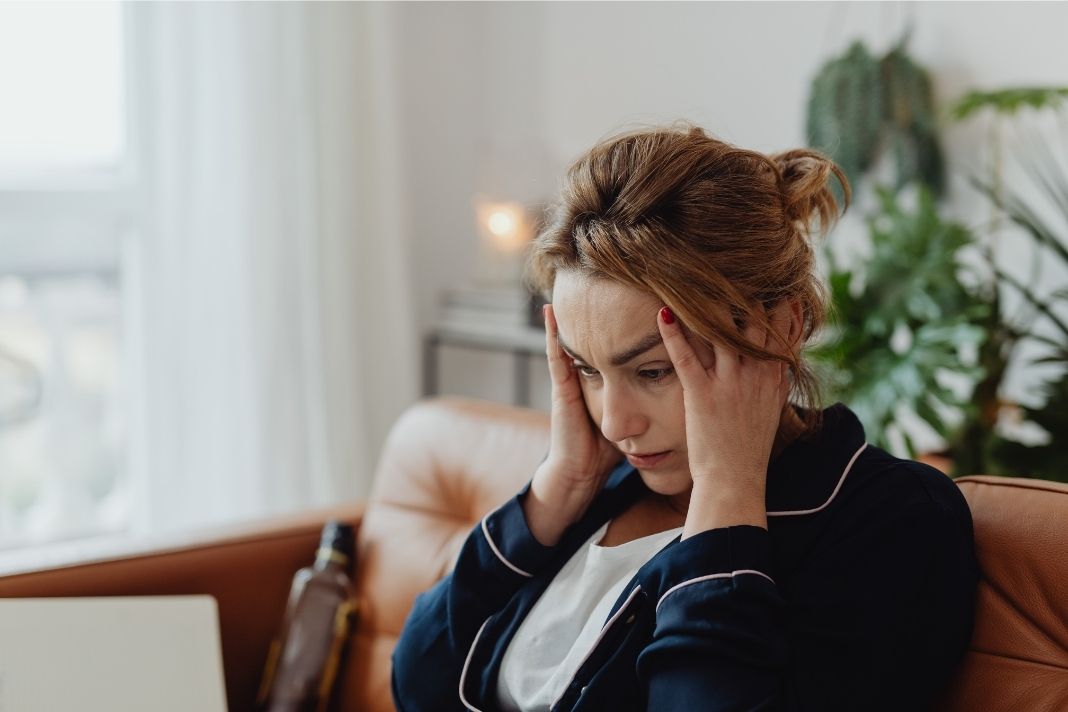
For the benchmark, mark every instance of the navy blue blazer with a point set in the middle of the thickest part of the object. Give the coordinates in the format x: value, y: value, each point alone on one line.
x: 859, y: 595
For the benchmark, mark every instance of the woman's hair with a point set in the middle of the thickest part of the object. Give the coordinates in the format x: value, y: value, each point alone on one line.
x: 699, y: 224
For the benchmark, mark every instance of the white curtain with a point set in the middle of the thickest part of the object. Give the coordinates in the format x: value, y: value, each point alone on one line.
x: 272, y: 334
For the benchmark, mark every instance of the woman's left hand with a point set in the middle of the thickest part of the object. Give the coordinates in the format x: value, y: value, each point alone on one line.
x: 733, y: 404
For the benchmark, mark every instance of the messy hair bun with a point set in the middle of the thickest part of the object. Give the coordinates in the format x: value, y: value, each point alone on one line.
x: 805, y: 177
x: 700, y: 224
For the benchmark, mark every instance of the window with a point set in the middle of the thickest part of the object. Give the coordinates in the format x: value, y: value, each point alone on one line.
x: 61, y: 81
x: 64, y: 211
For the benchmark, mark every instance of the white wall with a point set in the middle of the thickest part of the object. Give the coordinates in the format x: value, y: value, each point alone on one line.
x: 537, y: 83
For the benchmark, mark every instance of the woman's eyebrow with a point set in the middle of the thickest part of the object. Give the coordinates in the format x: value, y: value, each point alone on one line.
x: 650, y: 341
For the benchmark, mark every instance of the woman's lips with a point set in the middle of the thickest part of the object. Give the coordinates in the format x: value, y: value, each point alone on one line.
x: 647, y: 461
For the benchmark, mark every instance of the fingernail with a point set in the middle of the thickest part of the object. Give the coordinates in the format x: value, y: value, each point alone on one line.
x: 667, y: 316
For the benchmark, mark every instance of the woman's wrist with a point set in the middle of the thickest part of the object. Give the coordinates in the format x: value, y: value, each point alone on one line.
x: 543, y: 519
x: 550, y: 509
x: 713, y: 507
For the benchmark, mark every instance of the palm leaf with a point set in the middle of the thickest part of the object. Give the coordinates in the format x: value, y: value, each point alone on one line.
x: 1032, y: 298
x: 1021, y: 214
x: 1009, y: 101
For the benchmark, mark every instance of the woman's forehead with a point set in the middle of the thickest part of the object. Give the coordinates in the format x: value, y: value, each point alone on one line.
x: 599, y: 317
x: 598, y: 298
x: 575, y: 289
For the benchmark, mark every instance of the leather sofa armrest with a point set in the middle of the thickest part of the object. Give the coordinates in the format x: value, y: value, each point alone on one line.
x: 247, y: 568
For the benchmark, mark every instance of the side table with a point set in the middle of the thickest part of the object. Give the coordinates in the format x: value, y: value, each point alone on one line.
x: 520, y: 341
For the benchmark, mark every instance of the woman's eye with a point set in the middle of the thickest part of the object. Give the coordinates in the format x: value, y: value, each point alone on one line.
x: 585, y: 370
x: 655, y: 375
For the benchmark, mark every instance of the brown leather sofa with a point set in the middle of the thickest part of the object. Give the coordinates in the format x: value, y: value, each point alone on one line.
x: 447, y: 462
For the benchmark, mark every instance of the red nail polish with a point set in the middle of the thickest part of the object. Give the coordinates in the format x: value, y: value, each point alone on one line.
x: 667, y: 316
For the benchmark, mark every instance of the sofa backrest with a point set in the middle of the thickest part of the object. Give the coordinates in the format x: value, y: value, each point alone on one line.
x: 448, y: 461
x: 1018, y: 657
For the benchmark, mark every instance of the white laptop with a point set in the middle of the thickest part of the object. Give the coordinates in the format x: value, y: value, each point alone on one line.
x: 123, y: 654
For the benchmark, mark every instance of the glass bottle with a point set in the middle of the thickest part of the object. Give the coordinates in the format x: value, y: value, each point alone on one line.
x: 304, y: 658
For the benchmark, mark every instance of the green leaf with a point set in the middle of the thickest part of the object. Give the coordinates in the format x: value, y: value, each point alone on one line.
x: 911, y: 121
x: 1033, y: 299
x: 860, y: 106
x: 1050, y: 460
x: 910, y: 283
x: 844, y: 117
x: 1024, y: 216
x: 1008, y: 101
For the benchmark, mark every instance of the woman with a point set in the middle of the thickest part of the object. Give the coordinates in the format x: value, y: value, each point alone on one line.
x: 750, y: 551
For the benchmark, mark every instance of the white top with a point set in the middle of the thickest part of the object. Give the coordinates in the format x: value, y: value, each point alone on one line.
x: 553, y: 640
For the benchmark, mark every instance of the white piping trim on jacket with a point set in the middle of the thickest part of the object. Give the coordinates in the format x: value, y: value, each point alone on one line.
x: 841, y: 480
x: 467, y: 662
x: 608, y: 624
x: 596, y: 642
x: 788, y: 513
x: 699, y: 579
x: 500, y: 556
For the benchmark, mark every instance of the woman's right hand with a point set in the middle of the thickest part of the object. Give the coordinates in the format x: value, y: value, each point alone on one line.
x: 580, y: 457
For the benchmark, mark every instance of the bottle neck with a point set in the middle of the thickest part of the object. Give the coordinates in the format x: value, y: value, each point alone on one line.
x: 326, y: 556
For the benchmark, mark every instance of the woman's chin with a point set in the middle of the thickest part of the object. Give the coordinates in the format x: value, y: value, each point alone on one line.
x: 666, y: 483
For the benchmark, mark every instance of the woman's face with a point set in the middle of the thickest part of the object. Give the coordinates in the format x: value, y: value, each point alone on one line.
x: 630, y: 386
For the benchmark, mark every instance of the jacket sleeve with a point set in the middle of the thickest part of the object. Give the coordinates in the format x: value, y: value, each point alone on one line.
x: 876, y: 620
x: 497, y: 558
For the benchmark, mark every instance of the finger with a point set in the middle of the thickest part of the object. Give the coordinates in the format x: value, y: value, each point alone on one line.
x: 780, y: 323
x: 705, y: 354
x: 784, y: 383
x: 684, y: 359
x: 559, y: 362
x: 756, y: 334
x: 766, y: 369
x: 726, y: 358
x: 776, y: 334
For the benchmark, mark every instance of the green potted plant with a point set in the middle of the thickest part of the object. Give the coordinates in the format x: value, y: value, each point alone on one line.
x: 905, y: 317
x: 902, y: 320
x: 1041, y: 213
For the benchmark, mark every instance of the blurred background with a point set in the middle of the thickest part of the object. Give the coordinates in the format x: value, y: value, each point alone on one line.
x: 238, y: 239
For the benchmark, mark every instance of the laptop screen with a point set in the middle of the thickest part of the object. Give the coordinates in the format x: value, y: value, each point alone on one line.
x: 130, y: 653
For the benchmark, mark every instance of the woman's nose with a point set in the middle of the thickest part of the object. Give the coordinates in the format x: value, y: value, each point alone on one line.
x: 621, y: 415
